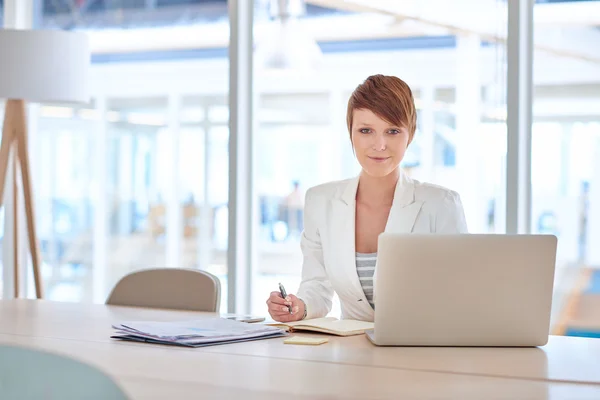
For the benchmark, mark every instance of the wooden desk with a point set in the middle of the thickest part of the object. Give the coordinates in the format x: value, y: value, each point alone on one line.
x: 348, y: 368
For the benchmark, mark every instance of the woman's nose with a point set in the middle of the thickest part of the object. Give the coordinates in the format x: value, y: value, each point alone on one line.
x: 379, y: 142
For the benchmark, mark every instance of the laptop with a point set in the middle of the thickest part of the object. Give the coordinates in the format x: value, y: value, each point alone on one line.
x: 463, y: 290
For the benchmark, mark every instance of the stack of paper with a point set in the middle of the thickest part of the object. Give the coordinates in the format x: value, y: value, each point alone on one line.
x: 194, y: 333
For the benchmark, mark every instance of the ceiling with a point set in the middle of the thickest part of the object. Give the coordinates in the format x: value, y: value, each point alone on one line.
x: 69, y: 14
x: 564, y: 28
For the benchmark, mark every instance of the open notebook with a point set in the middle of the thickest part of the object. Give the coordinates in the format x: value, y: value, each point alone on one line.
x: 330, y: 325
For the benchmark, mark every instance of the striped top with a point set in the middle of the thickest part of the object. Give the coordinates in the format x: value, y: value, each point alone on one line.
x: 365, y: 267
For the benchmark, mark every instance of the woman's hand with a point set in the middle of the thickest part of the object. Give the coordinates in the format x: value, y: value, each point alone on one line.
x: 278, y: 307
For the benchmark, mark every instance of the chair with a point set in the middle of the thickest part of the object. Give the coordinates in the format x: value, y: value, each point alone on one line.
x: 169, y: 288
x: 33, y: 374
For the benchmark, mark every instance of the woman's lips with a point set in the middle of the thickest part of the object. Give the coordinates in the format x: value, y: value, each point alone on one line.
x: 379, y: 159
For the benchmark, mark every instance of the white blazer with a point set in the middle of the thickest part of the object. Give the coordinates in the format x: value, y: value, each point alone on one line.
x: 328, y: 240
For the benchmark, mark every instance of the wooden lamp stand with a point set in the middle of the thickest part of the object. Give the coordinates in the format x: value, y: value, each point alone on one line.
x: 40, y: 66
x: 14, y: 138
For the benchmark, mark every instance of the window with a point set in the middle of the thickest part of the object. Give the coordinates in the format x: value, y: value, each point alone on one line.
x: 302, y: 140
x: 131, y: 187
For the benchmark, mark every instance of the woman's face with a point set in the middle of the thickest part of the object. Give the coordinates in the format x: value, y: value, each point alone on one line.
x: 378, y: 145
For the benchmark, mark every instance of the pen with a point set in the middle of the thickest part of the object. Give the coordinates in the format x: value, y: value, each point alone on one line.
x: 284, y: 295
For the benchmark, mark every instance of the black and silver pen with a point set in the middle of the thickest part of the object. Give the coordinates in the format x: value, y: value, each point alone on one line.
x: 284, y: 295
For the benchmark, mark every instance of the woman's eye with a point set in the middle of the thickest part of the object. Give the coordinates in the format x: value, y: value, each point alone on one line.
x: 364, y: 130
x: 394, y: 131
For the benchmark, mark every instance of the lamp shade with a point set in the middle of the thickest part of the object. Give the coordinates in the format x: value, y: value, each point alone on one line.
x: 44, y: 66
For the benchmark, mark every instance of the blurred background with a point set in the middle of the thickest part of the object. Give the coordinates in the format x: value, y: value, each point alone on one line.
x: 143, y: 169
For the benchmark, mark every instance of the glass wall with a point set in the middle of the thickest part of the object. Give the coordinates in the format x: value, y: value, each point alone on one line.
x: 63, y: 179
x: 565, y: 154
x: 204, y: 185
x: 301, y: 138
x: 137, y: 178
x: 138, y: 185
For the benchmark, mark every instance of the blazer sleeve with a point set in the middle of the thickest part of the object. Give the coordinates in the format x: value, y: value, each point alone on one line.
x: 450, y: 217
x: 315, y: 289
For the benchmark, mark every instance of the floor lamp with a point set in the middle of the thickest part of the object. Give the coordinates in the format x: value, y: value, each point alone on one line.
x: 44, y: 67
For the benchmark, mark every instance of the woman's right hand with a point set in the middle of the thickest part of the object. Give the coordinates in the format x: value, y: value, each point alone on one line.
x: 278, y: 307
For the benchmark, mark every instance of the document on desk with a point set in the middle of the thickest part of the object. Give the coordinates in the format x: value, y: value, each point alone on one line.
x: 194, y: 333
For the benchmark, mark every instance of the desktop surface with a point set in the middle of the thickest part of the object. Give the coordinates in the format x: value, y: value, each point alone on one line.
x: 246, y: 369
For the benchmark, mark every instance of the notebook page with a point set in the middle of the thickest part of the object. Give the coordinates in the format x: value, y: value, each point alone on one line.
x: 335, y: 325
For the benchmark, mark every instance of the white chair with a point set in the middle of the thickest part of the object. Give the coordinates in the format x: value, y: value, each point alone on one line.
x: 168, y: 288
x: 27, y: 373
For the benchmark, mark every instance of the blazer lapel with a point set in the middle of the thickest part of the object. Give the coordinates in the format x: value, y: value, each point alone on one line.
x: 401, y: 219
x: 344, y: 220
x: 405, y: 209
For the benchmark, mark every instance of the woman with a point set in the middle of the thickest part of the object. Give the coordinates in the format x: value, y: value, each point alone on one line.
x: 343, y: 219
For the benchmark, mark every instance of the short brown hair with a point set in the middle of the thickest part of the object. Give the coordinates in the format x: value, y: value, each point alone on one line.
x: 388, y: 97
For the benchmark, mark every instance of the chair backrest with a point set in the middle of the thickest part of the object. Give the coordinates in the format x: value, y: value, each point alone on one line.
x: 169, y: 288
x: 33, y: 374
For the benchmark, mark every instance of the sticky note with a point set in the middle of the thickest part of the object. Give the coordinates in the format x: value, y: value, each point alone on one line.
x: 311, y: 341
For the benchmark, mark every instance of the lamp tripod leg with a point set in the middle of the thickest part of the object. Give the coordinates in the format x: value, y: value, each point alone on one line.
x: 23, y: 152
x: 15, y: 221
x: 7, y: 142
